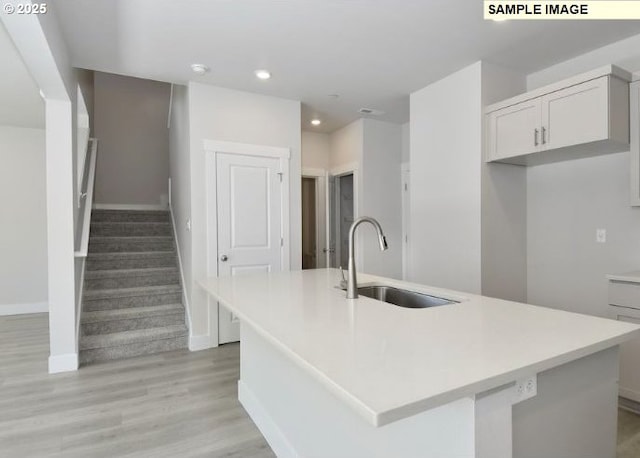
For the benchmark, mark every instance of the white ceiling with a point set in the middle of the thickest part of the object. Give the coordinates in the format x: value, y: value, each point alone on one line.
x: 373, y: 53
x: 20, y: 101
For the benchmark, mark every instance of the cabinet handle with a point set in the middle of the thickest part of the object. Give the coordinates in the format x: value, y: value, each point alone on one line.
x: 544, y: 136
x: 535, y: 137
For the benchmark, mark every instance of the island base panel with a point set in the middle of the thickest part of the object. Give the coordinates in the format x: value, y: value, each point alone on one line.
x: 575, y: 413
x: 299, y: 417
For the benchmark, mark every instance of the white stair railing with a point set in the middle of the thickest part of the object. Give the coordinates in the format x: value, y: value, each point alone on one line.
x: 82, y: 246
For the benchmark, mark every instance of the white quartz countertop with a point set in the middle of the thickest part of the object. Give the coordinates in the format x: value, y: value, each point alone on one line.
x: 389, y: 362
x: 632, y: 277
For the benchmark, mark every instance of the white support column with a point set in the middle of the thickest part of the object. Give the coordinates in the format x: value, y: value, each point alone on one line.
x: 60, y: 234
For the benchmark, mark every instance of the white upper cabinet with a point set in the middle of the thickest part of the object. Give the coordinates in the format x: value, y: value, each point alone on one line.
x: 575, y: 115
x: 634, y: 96
x: 583, y: 116
x: 515, y: 130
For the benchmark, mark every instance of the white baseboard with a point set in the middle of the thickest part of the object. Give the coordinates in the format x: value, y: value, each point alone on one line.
x: 24, y: 309
x: 629, y: 394
x: 129, y: 207
x: 67, y: 362
x: 277, y: 441
x: 201, y: 342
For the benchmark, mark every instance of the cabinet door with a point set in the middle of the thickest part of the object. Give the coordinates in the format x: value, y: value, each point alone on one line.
x: 634, y: 100
x: 629, y: 384
x: 514, y: 130
x: 575, y: 115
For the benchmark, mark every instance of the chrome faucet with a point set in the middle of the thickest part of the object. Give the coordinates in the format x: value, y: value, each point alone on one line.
x: 352, y: 282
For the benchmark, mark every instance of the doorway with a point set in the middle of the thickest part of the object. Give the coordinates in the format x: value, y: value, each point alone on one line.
x: 309, y: 224
x: 341, y: 214
x: 314, y: 218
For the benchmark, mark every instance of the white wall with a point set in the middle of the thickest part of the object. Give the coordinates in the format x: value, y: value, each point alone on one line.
x: 316, y: 150
x: 130, y: 119
x: 23, y: 226
x: 623, y: 53
x: 180, y: 173
x: 381, y: 197
x: 504, y: 204
x: 446, y: 147
x: 568, y: 201
x: 227, y: 115
x: 406, y: 155
x: 346, y: 144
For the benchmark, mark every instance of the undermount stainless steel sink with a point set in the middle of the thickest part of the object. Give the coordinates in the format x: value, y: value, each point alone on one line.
x: 402, y: 297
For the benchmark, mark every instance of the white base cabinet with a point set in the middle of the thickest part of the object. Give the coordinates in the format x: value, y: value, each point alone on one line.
x: 583, y: 116
x: 624, y: 305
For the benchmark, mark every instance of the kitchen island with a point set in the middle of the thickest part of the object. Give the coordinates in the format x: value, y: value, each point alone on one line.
x: 324, y: 376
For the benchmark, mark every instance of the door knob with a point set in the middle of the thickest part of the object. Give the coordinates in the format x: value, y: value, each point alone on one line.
x: 224, y: 258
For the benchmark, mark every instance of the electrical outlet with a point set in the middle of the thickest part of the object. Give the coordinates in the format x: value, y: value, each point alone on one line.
x: 526, y: 388
x: 601, y: 235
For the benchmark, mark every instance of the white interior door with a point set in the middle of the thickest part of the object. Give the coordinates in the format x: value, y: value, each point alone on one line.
x: 249, y: 209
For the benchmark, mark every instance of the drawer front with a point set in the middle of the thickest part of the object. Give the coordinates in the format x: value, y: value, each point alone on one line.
x: 624, y: 294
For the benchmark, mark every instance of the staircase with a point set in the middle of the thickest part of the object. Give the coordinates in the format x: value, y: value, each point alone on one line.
x: 132, y: 300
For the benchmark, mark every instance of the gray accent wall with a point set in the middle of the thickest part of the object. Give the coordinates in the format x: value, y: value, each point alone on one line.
x: 130, y: 122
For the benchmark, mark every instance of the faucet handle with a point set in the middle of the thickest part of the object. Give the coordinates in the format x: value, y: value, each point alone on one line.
x: 343, y: 282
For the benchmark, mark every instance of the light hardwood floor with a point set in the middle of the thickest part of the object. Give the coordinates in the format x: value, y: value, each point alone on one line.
x: 177, y: 404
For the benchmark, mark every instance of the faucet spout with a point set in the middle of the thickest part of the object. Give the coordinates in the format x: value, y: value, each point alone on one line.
x: 352, y: 282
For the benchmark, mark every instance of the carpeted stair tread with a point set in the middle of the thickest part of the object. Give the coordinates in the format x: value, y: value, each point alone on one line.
x: 112, y: 244
x: 132, y: 337
x: 131, y: 260
x: 131, y: 229
x: 130, y: 216
x: 129, y: 292
x: 130, y: 313
x: 137, y: 238
x: 117, y: 273
x: 131, y: 278
x: 131, y: 254
x: 132, y: 350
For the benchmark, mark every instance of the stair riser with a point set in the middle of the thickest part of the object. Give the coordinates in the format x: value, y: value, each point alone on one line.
x: 132, y: 263
x: 158, y: 279
x: 131, y: 350
x: 111, y: 303
x: 129, y: 217
x: 107, y: 327
x: 130, y: 230
x: 129, y: 246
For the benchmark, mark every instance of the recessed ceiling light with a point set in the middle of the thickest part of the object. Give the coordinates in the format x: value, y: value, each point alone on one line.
x: 316, y: 122
x: 199, y: 69
x: 263, y: 74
